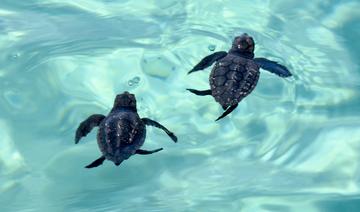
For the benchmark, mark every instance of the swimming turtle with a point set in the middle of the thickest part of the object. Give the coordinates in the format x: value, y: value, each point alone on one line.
x: 121, y: 133
x: 235, y: 73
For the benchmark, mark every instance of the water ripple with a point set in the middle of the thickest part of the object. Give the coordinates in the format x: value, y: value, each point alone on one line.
x: 293, y: 143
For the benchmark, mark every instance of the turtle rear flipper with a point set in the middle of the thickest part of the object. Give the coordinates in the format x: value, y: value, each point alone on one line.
x: 273, y: 67
x: 147, y: 152
x: 199, y: 93
x: 96, y: 163
x: 208, y: 61
x: 153, y: 123
x: 227, y: 112
x: 86, y: 126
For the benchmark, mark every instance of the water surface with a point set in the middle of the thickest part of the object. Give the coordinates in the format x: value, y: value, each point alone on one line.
x: 292, y: 145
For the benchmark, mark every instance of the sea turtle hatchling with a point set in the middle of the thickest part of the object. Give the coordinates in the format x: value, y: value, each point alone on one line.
x: 121, y: 133
x: 235, y: 73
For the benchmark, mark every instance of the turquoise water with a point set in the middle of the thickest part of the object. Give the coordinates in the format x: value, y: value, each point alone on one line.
x: 292, y: 145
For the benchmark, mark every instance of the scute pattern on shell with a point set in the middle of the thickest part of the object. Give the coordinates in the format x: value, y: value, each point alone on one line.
x: 120, y: 131
x: 232, y: 79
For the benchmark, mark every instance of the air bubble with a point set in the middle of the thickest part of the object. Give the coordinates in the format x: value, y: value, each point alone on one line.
x: 134, y: 81
x: 15, y: 55
x: 212, y: 47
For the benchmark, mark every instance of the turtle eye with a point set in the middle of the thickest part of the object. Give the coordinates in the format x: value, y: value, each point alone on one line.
x: 249, y: 41
x: 243, y: 44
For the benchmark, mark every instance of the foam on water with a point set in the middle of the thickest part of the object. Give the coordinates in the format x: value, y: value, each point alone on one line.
x: 292, y: 145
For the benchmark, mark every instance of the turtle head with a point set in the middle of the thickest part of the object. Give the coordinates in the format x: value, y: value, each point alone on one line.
x: 126, y: 100
x: 243, y: 44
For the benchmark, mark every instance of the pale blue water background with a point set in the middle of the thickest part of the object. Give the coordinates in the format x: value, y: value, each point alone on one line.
x: 292, y: 145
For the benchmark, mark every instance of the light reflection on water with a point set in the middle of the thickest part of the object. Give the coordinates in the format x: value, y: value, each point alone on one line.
x: 292, y: 145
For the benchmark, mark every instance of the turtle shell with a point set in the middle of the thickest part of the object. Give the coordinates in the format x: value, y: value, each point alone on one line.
x: 120, y: 135
x: 233, y: 78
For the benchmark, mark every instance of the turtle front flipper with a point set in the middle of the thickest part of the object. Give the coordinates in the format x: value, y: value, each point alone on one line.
x: 227, y: 112
x: 208, y: 61
x: 147, y: 152
x: 273, y: 67
x: 96, y: 163
x: 150, y: 122
x: 86, y: 126
x: 199, y: 93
